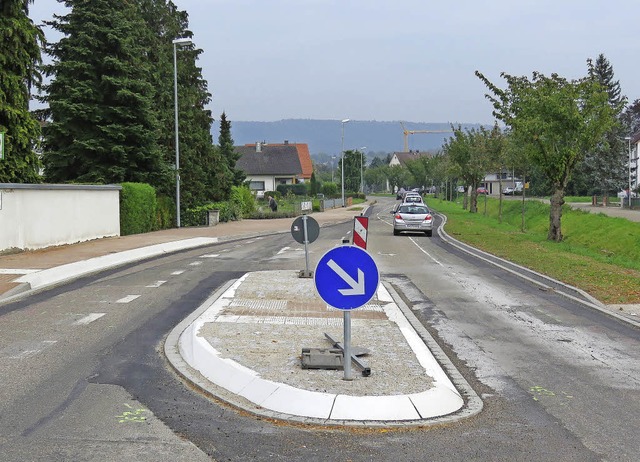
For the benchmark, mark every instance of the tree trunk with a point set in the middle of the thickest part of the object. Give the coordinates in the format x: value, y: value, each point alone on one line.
x: 500, y: 197
x: 473, y: 206
x: 522, y: 227
x: 555, y: 215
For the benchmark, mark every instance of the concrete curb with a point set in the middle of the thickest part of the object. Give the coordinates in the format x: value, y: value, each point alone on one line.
x: 281, y: 401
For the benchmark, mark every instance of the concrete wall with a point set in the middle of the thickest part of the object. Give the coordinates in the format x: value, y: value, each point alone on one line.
x: 36, y: 216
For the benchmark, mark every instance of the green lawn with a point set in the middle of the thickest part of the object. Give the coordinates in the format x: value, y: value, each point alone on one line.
x: 599, y: 254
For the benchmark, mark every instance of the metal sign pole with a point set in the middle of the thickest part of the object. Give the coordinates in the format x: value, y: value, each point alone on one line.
x: 347, y: 346
x: 306, y: 241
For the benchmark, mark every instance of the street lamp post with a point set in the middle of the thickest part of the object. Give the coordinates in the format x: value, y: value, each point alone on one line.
x: 628, y: 138
x: 333, y: 158
x: 176, y: 42
x: 344, y: 121
x: 362, y: 168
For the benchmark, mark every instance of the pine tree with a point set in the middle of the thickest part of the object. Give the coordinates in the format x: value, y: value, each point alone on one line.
x: 605, y: 167
x: 103, y: 126
x: 20, y: 42
x: 228, y: 152
x: 202, y: 170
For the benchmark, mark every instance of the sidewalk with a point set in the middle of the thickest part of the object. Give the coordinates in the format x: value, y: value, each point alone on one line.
x: 38, y: 269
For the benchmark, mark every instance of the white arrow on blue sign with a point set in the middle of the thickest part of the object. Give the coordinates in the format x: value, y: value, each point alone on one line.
x: 346, y: 277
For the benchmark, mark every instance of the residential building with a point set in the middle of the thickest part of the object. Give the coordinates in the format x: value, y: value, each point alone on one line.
x: 267, y: 165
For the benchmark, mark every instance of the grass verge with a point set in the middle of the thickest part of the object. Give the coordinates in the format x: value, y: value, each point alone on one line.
x: 599, y: 254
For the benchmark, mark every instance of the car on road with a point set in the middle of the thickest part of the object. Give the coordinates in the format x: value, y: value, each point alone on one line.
x: 508, y: 191
x: 482, y: 191
x: 412, y: 199
x: 412, y: 217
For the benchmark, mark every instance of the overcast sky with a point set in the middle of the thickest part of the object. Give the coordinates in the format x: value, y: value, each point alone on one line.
x: 411, y: 60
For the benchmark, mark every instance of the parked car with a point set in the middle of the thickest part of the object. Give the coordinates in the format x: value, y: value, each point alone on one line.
x: 413, y: 218
x: 623, y: 194
x: 482, y: 191
x: 508, y: 191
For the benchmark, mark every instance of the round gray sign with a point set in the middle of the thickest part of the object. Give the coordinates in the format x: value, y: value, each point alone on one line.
x: 297, y: 229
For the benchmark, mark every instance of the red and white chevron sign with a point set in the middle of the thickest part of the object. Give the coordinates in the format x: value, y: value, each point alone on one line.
x: 360, y: 229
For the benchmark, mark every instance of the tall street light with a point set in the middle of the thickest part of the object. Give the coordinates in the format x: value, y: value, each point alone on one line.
x: 344, y: 121
x: 628, y: 138
x: 333, y: 158
x: 362, y: 168
x: 176, y: 42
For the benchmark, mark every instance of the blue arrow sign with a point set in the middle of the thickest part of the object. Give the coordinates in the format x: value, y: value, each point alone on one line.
x: 346, y: 277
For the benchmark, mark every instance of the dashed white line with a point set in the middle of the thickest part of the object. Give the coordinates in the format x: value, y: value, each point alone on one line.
x: 425, y: 252
x: 210, y: 255
x: 156, y: 284
x: 127, y: 299
x: 175, y: 273
x: 88, y: 319
x: 32, y: 349
x: 195, y: 263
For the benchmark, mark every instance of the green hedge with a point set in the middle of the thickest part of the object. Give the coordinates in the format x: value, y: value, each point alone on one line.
x: 165, y: 213
x: 299, y: 189
x: 138, y: 207
x: 241, y: 204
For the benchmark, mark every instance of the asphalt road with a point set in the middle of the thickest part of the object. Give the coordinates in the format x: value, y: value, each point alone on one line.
x: 83, y: 377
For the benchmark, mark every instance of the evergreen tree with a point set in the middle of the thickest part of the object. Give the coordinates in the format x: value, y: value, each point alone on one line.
x: 103, y: 126
x: 203, y: 173
x: 605, y: 167
x: 228, y: 152
x: 20, y: 42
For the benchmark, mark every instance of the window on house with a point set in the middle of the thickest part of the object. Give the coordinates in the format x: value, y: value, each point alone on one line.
x: 256, y: 185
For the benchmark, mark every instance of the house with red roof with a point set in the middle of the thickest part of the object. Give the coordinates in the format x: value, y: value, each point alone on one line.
x: 266, y: 165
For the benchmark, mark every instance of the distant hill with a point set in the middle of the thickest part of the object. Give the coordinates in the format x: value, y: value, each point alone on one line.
x: 325, y: 136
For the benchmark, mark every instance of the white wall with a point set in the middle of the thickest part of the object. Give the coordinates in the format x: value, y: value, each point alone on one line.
x: 36, y: 216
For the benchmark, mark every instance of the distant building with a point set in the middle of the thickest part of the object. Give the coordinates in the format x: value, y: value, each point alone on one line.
x: 267, y: 165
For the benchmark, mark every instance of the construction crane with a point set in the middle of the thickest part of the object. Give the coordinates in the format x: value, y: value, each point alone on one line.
x: 411, y: 132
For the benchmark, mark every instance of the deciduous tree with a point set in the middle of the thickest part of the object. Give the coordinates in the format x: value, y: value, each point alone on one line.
x: 558, y: 121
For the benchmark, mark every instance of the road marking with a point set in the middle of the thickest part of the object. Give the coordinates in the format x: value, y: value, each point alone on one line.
x: 283, y: 250
x: 31, y: 349
x: 156, y: 284
x: 127, y: 299
x: 175, y: 273
x: 210, y: 255
x: 19, y: 271
x: 88, y: 319
x: 195, y: 263
x: 425, y: 252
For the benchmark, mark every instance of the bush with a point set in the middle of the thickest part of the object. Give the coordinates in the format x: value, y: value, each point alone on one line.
x: 275, y: 194
x: 330, y: 190
x: 137, y: 208
x: 299, y: 189
x: 242, y: 198
x: 165, y: 212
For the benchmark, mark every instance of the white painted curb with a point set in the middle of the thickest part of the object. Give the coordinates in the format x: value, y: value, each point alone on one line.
x: 441, y: 399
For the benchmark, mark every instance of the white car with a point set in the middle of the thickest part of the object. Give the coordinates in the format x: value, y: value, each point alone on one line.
x: 412, y: 218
